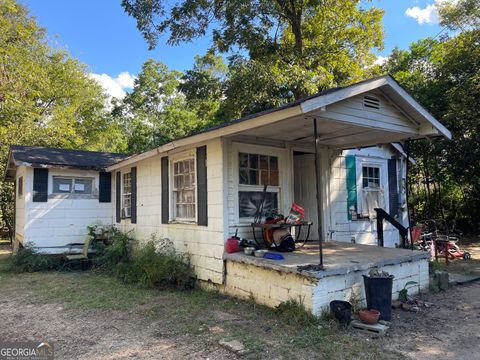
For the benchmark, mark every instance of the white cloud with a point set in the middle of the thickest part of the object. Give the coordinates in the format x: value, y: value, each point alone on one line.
x: 381, y: 60
x: 115, y: 87
x: 428, y: 14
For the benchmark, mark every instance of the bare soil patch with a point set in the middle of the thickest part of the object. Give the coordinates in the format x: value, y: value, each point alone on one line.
x: 450, y: 329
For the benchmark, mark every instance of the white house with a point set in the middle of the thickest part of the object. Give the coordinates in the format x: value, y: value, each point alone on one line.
x: 58, y: 194
x: 320, y: 152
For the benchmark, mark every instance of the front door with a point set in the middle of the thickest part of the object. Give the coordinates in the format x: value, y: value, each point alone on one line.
x: 305, y: 193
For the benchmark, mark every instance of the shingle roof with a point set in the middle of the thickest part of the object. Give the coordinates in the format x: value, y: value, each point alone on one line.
x: 41, y: 156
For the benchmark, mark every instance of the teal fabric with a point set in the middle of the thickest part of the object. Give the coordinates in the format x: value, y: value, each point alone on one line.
x: 351, y: 184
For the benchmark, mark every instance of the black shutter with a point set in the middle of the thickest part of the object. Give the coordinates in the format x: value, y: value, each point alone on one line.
x: 40, y: 185
x: 118, y: 196
x: 133, y: 210
x: 105, y: 187
x: 202, y: 195
x: 165, y: 196
x: 392, y: 187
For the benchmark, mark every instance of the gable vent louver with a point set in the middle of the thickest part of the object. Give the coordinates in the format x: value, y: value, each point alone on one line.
x: 371, y: 102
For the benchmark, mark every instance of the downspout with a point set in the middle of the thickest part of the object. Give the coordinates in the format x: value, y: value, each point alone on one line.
x: 319, y: 193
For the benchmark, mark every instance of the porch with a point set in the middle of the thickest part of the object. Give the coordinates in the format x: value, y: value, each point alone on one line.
x: 271, y: 282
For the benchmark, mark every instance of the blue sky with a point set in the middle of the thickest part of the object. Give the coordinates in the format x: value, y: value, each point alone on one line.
x: 101, y: 35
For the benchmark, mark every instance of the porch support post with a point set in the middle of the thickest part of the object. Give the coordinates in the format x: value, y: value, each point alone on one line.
x: 319, y: 192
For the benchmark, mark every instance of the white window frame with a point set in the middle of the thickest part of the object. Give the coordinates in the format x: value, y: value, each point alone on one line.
x: 188, y: 155
x: 72, y: 192
x: 124, y: 214
x: 381, y: 164
x: 281, y: 155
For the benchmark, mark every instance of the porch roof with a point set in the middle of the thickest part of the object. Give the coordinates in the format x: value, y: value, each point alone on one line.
x: 293, y: 122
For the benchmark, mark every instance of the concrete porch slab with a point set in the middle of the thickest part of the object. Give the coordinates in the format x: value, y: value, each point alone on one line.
x: 338, y: 258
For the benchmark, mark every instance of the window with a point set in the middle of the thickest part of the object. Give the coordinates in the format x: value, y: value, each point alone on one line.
x: 126, y: 195
x: 183, y: 188
x: 371, y: 194
x: 370, y: 177
x: 257, y: 169
x: 71, y: 185
x: 20, y: 186
x: 254, y: 172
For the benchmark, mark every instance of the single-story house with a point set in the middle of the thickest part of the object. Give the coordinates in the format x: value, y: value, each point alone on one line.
x: 321, y: 152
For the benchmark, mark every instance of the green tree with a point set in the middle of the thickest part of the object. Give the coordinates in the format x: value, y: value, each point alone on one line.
x: 46, y: 97
x: 444, y: 74
x: 155, y: 111
x: 305, y: 46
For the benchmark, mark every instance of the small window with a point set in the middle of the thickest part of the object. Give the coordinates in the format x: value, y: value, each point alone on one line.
x: 370, y: 177
x: 255, y: 169
x: 184, y: 182
x: 70, y: 185
x: 20, y: 186
x: 371, y: 102
x: 126, y: 195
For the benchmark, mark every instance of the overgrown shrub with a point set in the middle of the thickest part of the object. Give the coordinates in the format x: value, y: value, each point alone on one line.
x: 157, y: 264
x: 154, y: 264
x: 296, y: 314
x: 28, y: 260
x: 118, y: 253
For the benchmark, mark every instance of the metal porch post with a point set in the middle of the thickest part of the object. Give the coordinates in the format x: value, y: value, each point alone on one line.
x: 319, y: 192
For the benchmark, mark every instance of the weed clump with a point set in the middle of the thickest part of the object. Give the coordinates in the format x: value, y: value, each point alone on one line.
x: 27, y: 259
x: 153, y: 264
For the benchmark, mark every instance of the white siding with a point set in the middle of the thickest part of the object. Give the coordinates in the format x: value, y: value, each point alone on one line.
x: 364, y: 231
x: 20, y: 204
x: 205, y: 244
x: 61, y: 221
x: 285, y: 181
x: 386, y: 117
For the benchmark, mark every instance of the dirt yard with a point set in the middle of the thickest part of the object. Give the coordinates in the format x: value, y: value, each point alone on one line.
x: 91, y: 316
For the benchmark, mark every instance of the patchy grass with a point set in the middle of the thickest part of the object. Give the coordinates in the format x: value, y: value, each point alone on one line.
x: 205, y: 316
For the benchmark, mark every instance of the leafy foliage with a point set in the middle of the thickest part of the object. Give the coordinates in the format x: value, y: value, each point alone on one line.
x: 153, y: 264
x: 280, y: 50
x: 28, y: 260
x: 444, y: 75
x: 46, y: 97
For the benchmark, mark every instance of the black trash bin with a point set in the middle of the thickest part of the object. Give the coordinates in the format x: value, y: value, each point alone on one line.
x: 378, y: 291
x: 342, y: 311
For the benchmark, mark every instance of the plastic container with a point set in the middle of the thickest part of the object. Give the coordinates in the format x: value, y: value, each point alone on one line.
x: 378, y: 292
x: 342, y: 311
x: 231, y: 246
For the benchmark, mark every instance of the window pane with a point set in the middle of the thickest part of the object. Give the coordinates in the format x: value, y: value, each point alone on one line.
x: 253, y: 176
x: 274, y: 178
x: 273, y: 163
x: 251, y: 201
x: 253, y: 161
x: 364, y: 171
x: 365, y: 182
x: 263, y: 162
x: 264, y: 177
x: 243, y: 160
x: 62, y: 185
x: 243, y: 176
x: 83, y: 186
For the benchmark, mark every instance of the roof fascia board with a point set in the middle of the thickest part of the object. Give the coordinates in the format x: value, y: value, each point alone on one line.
x: 420, y: 109
x: 232, y: 129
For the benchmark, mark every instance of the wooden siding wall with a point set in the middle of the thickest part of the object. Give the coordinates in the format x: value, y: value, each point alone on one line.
x: 386, y: 117
x: 363, y: 230
x: 61, y: 220
x: 20, y: 203
x: 205, y: 244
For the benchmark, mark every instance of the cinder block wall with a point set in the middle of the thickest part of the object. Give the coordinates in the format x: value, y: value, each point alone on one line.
x: 271, y: 287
